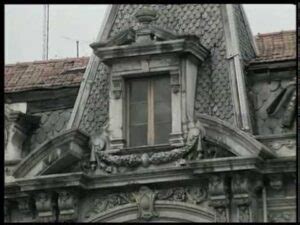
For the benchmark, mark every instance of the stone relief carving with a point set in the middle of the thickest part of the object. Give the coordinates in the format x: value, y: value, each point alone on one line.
x: 45, y: 206
x: 110, y: 163
x: 274, y: 106
x: 281, y: 216
x: 67, y: 204
x: 145, y: 202
x: 145, y: 199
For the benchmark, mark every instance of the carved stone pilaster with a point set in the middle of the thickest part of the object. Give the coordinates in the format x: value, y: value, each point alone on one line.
x: 175, y: 81
x: 218, y: 198
x: 46, y: 207
x: 145, y: 202
x: 67, y: 205
x: 243, y: 190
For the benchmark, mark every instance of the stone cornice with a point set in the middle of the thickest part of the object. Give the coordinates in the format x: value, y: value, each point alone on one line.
x: 159, y: 47
x: 160, y: 175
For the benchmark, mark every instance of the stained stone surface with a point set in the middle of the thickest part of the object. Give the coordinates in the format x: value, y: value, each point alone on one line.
x: 213, y: 89
x: 51, y: 124
x: 262, y: 95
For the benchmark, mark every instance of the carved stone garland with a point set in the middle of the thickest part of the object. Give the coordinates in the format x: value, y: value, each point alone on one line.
x: 107, y: 161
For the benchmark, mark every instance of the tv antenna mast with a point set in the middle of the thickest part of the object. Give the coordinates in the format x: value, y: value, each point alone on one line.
x: 46, y: 32
x: 77, y: 43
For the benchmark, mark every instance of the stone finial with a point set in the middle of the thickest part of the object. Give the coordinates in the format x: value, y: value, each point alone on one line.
x: 145, y: 16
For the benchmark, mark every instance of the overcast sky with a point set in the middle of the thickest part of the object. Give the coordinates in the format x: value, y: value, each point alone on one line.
x: 68, y: 23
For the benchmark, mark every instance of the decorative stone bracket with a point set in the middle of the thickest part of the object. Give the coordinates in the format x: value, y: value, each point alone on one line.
x: 46, y: 206
x: 218, y: 198
x: 67, y: 205
x: 243, y: 188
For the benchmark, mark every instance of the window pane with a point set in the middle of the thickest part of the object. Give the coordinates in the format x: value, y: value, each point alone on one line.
x: 138, y: 113
x: 138, y: 90
x: 162, y: 109
x: 138, y: 135
x: 162, y: 89
x: 162, y: 133
x: 162, y: 112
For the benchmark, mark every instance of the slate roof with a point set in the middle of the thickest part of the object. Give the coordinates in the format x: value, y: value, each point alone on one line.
x: 44, y: 74
x: 68, y: 72
x: 276, y: 46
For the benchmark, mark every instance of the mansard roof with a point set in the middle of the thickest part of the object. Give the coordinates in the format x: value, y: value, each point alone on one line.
x: 68, y: 72
x: 276, y: 46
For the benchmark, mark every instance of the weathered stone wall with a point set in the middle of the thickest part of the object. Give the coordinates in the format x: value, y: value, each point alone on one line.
x: 263, y: 93
x: 51, y: 124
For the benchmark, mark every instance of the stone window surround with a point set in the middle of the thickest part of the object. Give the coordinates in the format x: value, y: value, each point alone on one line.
x: 183, y: 89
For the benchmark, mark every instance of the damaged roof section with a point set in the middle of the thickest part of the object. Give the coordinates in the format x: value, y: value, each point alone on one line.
x: 276, y: 46
x: 44, y: 74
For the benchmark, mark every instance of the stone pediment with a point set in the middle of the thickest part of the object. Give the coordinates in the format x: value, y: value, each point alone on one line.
x: 148, y: 40
x: 54, y: 156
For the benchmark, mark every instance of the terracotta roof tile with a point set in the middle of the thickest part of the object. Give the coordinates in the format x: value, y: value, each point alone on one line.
x: 276, y: 46
x: 44, y: 74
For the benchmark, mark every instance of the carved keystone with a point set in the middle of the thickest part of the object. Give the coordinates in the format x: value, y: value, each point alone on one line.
x: 145, y: 202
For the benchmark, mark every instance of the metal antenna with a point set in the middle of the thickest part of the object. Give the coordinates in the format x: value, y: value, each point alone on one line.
x: 46, y: 32
x: 77, y: 43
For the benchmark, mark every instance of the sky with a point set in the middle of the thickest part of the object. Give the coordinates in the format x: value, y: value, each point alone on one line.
x: 68, y: 23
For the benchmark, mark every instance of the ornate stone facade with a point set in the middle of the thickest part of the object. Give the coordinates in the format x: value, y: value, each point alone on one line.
x: 231, y: 151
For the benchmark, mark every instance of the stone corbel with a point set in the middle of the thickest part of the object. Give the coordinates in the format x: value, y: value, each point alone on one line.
x: 243, y: 190
x: 67, y: 205
x: 117, y: 87
x: 26, y: 206
x: 175, y: 81
x: 275, y: 181
x: 46, y: 207
x: 218, y: 198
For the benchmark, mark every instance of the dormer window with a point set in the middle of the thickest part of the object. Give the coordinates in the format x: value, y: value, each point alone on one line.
x: 153, y: 76
x: 149, y: 110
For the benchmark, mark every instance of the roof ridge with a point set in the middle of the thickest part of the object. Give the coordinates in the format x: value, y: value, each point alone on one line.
x: 274, y: 33
x: 47, y: 61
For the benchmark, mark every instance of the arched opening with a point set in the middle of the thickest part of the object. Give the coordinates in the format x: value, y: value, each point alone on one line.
x: 167, y: 212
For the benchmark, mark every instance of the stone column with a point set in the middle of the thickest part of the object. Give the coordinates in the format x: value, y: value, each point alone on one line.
x: 218, y: 198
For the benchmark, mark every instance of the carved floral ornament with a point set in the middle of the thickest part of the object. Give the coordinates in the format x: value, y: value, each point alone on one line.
x: 193, y: 149
x: 145, y: 198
